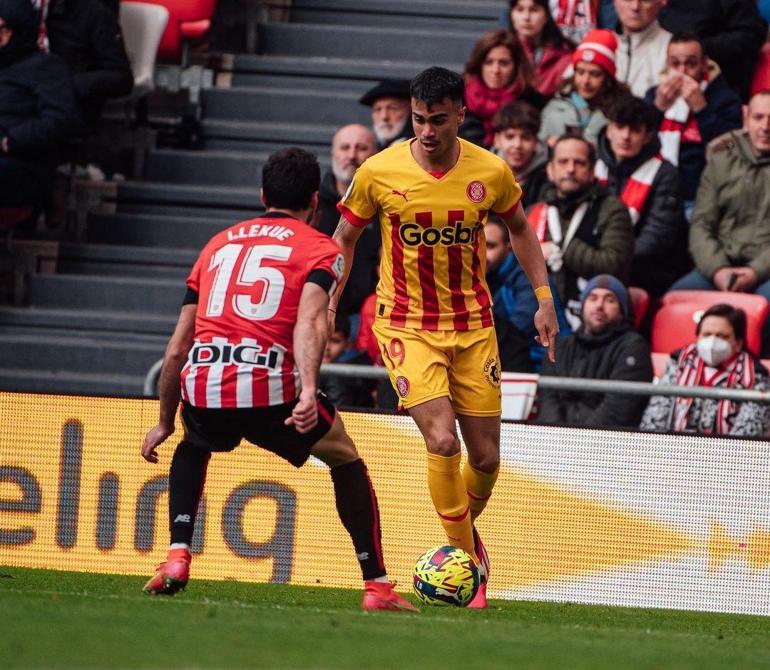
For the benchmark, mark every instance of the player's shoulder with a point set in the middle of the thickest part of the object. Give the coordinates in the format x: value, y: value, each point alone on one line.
x: 481, y: 156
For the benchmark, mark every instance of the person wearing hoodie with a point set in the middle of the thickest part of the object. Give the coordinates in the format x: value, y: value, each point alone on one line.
x: 694, y: 104
x: 604, y: 347
x: 351, y: 146
x: 516, y: 126
x: 37, y: 109
x: 631, y: 167
x: 729, y: 234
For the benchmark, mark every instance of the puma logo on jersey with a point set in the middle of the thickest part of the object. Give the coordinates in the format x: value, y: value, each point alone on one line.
x: 403, y: 195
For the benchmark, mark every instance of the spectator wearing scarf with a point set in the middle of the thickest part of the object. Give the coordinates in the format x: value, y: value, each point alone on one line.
x: 497, y: 73
x: 718, y: 359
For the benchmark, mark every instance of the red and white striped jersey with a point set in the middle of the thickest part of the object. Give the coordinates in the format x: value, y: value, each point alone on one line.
x: 249, y: 280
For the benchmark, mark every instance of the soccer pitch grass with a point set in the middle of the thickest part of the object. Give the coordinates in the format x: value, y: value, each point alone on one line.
x: 77, y: 620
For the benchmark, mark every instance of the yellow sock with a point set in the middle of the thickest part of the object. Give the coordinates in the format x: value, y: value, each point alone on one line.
x: 447, y: 491
x: 478, y: 486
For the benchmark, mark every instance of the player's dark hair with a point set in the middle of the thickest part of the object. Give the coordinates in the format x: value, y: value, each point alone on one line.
x: 688, y: 36
x: 631, y: 111
x: 436, y: 84
x: 519, y: 116
x: 736, y: 318
x: 289, y: 179
x: 572, y: 136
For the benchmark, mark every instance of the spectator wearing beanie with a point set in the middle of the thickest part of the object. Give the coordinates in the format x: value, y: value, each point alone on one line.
x: 605, y: 347
x: 497, y: 73
x: 581, y: 104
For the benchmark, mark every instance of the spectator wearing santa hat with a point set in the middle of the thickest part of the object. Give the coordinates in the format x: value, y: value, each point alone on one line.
x: 580, y: 106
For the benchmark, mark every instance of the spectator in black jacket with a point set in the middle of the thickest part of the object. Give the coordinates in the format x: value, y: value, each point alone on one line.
x: 631, y: 167
x: 351, y: 146
x: 732, y: 31
x: 37, y: 108
x: 694, y: 105
x: 87, y: 36
x: 606, y: 347
x: 346, y: 391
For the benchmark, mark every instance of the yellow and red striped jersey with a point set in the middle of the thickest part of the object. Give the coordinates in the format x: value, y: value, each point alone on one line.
x: 432, y: 273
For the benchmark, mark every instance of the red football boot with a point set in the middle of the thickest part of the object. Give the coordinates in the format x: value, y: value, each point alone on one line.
x: 381, y: 596
x: 479, y: 601
x: 172, y: 575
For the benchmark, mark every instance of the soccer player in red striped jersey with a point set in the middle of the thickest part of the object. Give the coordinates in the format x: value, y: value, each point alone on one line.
x: 244, y: 359
x: 433, y: 196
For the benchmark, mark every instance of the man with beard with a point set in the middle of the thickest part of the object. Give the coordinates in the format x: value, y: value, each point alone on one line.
x: 351, y: 146
x: 583, y: 229
x: 605, y: 347
x: 389, y: 101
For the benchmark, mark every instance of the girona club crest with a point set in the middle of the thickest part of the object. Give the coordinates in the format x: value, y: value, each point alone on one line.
x: 402, y: 385
x: 476, y: 192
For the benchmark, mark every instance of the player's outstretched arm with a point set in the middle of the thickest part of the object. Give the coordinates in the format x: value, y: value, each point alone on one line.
x: 346, y: 236
x: 309, y: 343
x: 169, y: 389
x: 527, y: 249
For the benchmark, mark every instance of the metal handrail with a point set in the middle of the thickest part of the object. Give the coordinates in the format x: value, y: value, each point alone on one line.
x: 543, y: 382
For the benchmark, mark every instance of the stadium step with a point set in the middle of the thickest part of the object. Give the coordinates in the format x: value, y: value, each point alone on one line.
x: 477, y: 15
x: 307, y: 39
x: 154, y: 230
x: 95, y: 321
x: 31, y: 380
x: 299, y: 79
x: 319, y: 68
x: 88, y: 354
x: 296, y: 105
x: 194, y: 199
x: 128, y: 294
x: 267, y: 137
x: 112, y: 259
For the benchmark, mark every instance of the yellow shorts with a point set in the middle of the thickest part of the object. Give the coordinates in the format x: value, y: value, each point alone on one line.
x: 428, y: 364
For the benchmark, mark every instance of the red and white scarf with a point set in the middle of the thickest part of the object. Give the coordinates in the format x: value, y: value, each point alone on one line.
x: 41, y: 7
x: 736, y: 373
x: 675, y: 120
x: 574, y: 17
x: 638, y: 187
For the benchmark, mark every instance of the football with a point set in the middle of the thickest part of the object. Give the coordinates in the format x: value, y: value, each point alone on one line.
x: 446, y: 576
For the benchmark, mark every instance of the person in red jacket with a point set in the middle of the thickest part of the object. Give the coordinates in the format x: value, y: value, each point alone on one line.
x: 549, y: 52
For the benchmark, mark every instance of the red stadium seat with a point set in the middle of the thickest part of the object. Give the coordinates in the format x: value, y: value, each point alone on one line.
x: 640, y: 303
x: 761, y: 81
x: 188, y: 19
x: 674, y: 324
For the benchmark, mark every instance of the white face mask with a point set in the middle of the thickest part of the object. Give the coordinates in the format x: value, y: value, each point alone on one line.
x: 714, y: 350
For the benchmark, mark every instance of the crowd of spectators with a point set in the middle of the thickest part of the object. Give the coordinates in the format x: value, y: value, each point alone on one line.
x: 642, y: 155
x: 60, y: 60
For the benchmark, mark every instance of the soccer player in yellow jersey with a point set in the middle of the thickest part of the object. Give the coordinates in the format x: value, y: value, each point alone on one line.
x: 432, y: 196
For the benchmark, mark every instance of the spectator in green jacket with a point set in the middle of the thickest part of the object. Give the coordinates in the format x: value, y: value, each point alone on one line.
x: 730, y: 231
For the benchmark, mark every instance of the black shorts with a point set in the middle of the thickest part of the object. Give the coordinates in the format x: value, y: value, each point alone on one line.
x: 223, y: 429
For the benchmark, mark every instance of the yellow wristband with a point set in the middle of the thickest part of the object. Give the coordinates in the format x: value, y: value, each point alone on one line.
x: 543, y: 293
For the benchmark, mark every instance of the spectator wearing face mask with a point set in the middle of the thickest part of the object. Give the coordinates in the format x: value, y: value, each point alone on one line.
x: 717, y: 359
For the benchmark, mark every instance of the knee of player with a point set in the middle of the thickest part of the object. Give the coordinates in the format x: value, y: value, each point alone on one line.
x: 443, y: 444
x: 487, y: 462
x: 337, y: 451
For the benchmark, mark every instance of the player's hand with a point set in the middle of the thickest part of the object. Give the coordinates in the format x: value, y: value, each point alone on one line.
x: 304, y: 416
x: 154, y: 438
x: 547, y: 326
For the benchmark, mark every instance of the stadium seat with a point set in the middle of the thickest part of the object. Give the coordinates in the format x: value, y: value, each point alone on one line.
x: 143, y: 25
x: 674, y: 324
x: 640, y: 303
x: 188, y: 19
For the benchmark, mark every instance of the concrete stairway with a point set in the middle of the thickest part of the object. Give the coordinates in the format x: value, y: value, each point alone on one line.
x: 100, y: 322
